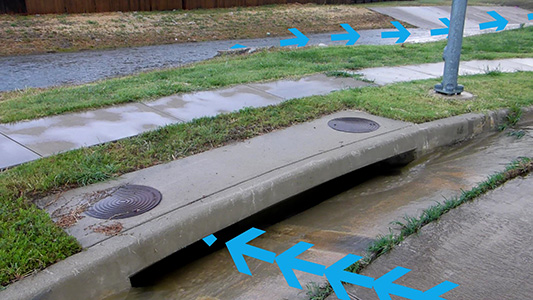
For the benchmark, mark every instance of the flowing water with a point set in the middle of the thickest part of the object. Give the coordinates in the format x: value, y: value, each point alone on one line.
x: 55, y: 69
x: 345, y: 223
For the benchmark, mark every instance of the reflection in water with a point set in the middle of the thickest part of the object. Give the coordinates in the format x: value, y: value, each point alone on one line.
x: 345, y: 223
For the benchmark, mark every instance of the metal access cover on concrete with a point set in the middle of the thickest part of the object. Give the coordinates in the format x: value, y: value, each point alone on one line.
x: 126, y: 201
x: 353, y: 125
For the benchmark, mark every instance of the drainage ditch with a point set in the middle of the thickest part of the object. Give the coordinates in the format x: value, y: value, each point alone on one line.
x: 339, y: 217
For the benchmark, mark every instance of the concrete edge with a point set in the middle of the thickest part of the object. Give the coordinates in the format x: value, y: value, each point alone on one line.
x: 109, y: 264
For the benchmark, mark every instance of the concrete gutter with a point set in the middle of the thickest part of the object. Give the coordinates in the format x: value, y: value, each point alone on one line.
x: 105, y: 266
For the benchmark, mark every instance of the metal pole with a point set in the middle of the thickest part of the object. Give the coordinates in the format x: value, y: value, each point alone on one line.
x: 452, y: 52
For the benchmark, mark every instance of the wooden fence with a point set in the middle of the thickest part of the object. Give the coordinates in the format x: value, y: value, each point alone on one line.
x: 88, y: 6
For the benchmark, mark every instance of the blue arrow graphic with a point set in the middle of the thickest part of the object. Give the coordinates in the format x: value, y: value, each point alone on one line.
x: 442, y: 31
x: 385, y: 287
x: 209, y: 240
x: 500, y: 22
x: 237, y: 248
x: 238, y: 46
x: 402, y: 34
x: 436, y: 291
x: 530, y: 16
x: 300, y: 40
x: 352, y: 36
x: 336, y: 274
x: 288, y: 262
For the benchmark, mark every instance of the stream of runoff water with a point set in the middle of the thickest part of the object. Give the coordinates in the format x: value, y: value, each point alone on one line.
x: 345, y: 223
x: 56, y: 69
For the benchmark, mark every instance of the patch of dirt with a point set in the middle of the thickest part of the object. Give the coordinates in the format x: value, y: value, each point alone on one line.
x: 72, y: 217
x: 69, y: 214
x: 109, y: 230
x: 524, y: 169
x: 52, y: 33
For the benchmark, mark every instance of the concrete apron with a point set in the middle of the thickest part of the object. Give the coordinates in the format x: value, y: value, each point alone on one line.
x: 205, y: 193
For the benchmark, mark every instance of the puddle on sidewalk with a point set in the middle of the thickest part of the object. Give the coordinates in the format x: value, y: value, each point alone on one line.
x: 345, y: 223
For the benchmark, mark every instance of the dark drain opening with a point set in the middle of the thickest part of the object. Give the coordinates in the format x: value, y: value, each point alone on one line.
x: 174, y: 263
x: 353, y: 125
x: 125, y: 202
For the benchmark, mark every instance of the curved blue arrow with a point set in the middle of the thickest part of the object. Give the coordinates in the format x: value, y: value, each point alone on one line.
x: 300, y: 40
x: 237, y: 248
x: 288, y: 262
x: 336, y: 275
x: 500, y: 22
x: 352, y: 36
x: 402, y: 34
x: 442, y: 31
x: 238, y: 46
x: 385, y: 287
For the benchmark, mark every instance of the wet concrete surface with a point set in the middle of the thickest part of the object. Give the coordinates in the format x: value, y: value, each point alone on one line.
x: 428, y: 16
x: 204, y: 177
x: 48, y: 136
x: 484, y: 246
x: 13, y: 153
x: 308, y: 86
x: 211, y: 103
x: 388, y: 75
x: 346, y: 223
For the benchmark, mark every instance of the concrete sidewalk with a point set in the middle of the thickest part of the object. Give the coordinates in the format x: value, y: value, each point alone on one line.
x: 29, y: 140
x: 428, y: 16
x: 484, y: 246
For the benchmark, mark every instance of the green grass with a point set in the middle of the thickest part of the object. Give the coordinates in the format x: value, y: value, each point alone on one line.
x: 30, y: 241
x: 512, y: 118
x: 265, y: 65
x: 412, y: 225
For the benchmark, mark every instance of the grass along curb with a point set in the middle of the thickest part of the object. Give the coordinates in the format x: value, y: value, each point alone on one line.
x: 412, y: 225
x: 30, y: 241
x: 262, y: 66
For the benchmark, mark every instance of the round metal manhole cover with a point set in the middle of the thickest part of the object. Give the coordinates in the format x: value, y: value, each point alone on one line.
x: 125, y: 202
x: 354, y: 125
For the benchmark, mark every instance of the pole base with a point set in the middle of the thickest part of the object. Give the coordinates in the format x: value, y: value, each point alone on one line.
x: 450, y: 89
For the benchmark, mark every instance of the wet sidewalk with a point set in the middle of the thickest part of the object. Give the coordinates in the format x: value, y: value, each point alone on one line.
x: 29, y: 140
x: 484, y: 246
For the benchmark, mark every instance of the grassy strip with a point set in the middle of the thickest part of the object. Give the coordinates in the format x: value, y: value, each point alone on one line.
x: 412, y: 225
x: 265, y: 65
x: 29, y: 240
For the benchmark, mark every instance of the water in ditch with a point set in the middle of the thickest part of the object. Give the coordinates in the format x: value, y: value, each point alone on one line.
x: 345, y: 223
x: 68, y: 68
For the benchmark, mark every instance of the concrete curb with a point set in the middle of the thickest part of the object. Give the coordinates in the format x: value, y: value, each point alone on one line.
x: 109, y: 264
